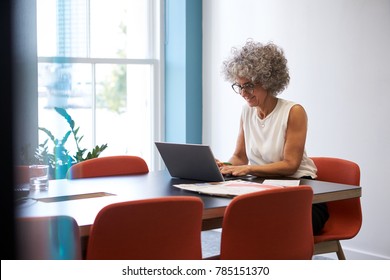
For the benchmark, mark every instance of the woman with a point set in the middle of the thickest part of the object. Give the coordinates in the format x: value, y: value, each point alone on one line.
x: 272, y: 134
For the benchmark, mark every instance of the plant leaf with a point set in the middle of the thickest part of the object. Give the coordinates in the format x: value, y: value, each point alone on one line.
x: 52, y: 138
x: 65, y: 138
x: 65, y: 114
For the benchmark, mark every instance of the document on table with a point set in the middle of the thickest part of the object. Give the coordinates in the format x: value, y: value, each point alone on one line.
x: 228, y: 188
x: 283, y: 183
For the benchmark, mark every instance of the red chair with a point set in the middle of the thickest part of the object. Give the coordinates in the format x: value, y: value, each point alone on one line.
x: 108, y: 166
x: 345, y: 216
x: 164, y: 228
x: 48, y: 238
x: 274, y: 224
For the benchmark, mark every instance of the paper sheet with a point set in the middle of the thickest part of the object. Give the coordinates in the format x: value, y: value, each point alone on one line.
x: 284, y: 183
x: 229, y: 188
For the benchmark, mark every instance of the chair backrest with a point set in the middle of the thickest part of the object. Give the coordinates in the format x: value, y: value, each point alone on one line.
x: 337, y: 170
x: 348, y: 212
x: 108, y: 166
x: 273, y: 224
x: 154, y: 229
x: 48, y: 238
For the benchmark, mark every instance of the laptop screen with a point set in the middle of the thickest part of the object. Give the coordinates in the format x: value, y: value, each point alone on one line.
x: 190, y: 161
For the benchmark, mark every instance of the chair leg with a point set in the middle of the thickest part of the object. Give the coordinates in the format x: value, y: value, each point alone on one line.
x: 333, y: 246
x: 340, y: 252
x: 325, y: 247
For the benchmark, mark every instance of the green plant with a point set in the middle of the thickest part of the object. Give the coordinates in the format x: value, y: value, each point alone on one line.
x: 60, y: 160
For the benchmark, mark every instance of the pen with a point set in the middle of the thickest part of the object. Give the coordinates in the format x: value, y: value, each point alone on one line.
x: 227, y: 163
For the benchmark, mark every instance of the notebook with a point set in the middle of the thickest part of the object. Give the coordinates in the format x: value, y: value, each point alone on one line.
x: 192, y: 161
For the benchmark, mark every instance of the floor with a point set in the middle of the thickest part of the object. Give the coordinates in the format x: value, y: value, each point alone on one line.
x: 211, y: 240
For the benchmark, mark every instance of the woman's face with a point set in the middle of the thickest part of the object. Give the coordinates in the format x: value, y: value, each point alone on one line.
x: 253, y: 94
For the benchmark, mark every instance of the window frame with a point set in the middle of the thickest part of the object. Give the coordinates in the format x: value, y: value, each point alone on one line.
x: 156, y: 51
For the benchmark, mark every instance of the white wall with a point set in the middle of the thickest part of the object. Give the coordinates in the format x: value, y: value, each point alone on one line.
x: 339, y: 59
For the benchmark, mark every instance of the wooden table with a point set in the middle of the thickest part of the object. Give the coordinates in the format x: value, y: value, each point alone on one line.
x: 82, y: 199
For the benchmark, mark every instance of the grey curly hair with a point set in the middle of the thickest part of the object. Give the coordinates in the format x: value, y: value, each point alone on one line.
x: 259, y: 63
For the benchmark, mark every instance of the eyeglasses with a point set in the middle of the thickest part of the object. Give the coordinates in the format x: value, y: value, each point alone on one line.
x: 248, y: 88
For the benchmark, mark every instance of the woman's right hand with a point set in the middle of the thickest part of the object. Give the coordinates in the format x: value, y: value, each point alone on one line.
x: 221, y: 163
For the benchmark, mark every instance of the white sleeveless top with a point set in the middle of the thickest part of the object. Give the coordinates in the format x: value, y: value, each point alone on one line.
x: 264, y: 139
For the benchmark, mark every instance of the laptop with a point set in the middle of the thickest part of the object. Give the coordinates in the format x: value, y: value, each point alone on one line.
x: 192, y: 161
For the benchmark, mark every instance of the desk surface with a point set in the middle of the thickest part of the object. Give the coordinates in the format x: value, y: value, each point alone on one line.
x: 88, y: 196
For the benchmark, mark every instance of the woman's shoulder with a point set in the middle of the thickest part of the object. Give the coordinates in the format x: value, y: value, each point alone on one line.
x: 246, y: 108
x: 288, y: 104
x: 247, y: 112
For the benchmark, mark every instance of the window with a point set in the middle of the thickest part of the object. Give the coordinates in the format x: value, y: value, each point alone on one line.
x: 100, y: 60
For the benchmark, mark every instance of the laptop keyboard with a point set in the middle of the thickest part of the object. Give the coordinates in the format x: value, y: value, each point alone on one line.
x: 229, y: 177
